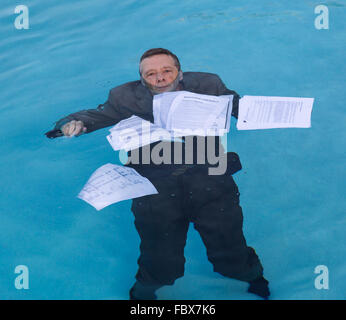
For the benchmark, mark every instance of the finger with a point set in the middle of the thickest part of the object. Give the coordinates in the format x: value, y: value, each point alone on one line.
x: 80, y: 125
x: 72, y: 127
x: 78, y: 128
x: 65, y: 129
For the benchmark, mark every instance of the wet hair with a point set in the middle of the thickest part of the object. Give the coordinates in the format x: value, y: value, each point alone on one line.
x: 156, y: 51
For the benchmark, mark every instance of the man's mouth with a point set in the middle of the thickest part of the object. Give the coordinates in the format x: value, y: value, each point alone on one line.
x: 163, y: 87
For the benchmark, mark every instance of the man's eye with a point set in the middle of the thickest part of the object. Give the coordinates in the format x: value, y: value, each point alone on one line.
x: 166, y: 71
x: 150, y: 74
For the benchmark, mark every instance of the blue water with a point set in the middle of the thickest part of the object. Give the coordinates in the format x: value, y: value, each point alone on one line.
x: 293, y: 180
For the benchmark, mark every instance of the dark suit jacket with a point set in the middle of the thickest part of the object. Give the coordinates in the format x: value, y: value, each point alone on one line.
x: 133, y: 98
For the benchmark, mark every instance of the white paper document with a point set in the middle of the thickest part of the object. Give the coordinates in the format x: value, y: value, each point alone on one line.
x: 135, y: 132
x: 113, y: 183
x: 184, y: 112
x: 260, y: 112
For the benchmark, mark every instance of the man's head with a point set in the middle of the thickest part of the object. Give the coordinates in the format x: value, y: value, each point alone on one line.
x: 160, y: 70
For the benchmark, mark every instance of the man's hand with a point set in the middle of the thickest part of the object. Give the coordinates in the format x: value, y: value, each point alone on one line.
x: 73, y: 128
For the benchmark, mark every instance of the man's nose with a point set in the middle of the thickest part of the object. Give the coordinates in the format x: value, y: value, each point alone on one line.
x: 160, y: 77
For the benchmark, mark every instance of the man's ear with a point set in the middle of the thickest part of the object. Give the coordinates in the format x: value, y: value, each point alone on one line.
x: 143, y: 82
x: 180, y: 75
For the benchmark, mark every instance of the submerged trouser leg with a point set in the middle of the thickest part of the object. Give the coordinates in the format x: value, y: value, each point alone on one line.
x: 162, y: 228
x: 143, y: 292
x: 219, y: 220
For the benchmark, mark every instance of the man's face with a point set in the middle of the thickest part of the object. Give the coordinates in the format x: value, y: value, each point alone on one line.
x: 159, y: 73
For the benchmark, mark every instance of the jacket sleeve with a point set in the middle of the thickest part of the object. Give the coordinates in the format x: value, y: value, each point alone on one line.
x: 223, y: 90
x: 104, y: 115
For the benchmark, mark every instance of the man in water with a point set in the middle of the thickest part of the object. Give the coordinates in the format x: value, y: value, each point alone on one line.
x: 186, y: 193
